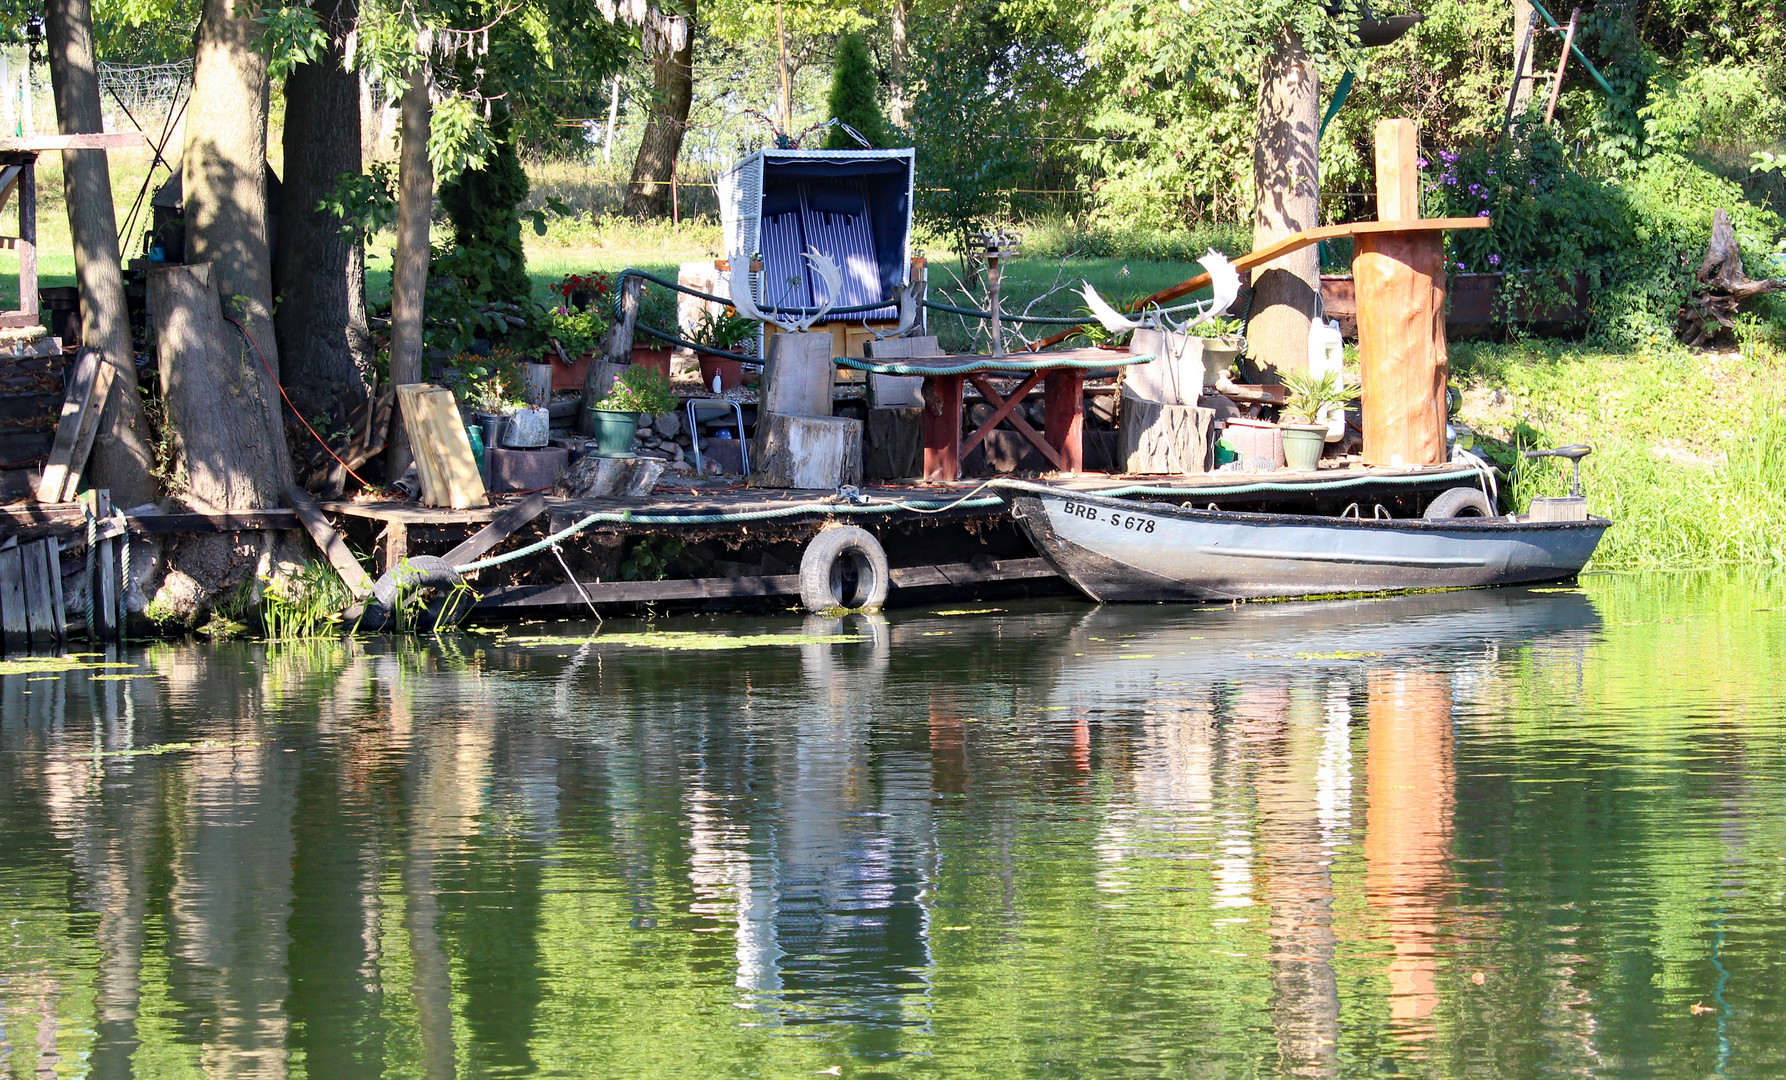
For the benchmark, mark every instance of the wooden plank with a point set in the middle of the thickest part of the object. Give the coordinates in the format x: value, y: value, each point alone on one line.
x: 408, y: 394
x: 40, y: 612
x: 1398, y: 171
x: 38, y: 144
x: 409, y: 513
x: 396, y: 544
x: 58, y: 605
x: 485, y: 539
x: 15, y: 627
x: 27, y: 243
x: 233, y: 521
x: 329, y: 542
x: 89, y: 384
x: 1293, y: 242
x: 635, y: 592
x: 105, y: 571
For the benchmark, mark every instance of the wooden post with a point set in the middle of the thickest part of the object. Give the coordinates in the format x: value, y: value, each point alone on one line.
x: 396, y: 544
x: 600, y: 375
x: 103, y: 598
x: 15, y: 627
x: 1063, y: 416
x: 942, y: 427
x: 28, y: 237
x: 1400, y: 280
x: 1556, y: 86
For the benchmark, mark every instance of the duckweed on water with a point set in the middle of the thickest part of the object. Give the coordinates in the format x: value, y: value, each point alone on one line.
x: 694, y: 641
x: 38, y: 665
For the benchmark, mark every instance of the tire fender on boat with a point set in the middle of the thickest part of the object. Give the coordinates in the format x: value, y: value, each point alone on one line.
x: 822, y: 567
x: 1459, y: 502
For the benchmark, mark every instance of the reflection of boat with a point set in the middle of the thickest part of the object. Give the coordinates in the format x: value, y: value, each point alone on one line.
x: 1120, y: 550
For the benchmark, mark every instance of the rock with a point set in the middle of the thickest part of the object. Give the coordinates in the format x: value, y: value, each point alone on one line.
x: 668, y: 424
x: 527, y: 429
x: 595, y: 477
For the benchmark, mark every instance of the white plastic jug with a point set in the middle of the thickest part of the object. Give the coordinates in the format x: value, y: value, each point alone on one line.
x: 1327, y: 352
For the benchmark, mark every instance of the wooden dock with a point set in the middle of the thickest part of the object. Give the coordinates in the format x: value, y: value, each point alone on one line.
x: 747, y: 540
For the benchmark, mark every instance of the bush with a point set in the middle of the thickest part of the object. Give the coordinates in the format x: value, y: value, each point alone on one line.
x: 1062, y: 237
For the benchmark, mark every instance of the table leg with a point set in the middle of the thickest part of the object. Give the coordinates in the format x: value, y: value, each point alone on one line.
x: 942, y: 427
x: 1063, y: 409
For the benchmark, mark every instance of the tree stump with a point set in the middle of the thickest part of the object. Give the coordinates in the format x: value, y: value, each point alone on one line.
x: 611, y: 478
x: 893, y: 443
x: 806, y: 452
x: 799, y: 375
x: 1158, y: 438
x: 1723, y: 286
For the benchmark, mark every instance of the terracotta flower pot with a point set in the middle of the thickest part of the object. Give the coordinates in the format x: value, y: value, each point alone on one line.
x: 652, y: 357
x: 730, y: 372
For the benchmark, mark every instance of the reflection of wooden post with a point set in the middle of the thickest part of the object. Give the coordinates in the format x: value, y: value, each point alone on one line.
x: 1407, y: 842
x: 1400, y: 279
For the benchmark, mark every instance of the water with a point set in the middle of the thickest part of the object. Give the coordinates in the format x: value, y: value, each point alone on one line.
x: 1522, y: 833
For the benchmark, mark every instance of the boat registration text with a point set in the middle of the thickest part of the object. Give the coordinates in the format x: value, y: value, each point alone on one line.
x: 1114, y: 518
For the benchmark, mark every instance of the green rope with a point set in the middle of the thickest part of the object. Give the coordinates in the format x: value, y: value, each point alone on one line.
x: 991, y: 365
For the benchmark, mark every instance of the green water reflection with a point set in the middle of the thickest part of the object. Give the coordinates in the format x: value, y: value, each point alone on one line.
x: 1520, y: 833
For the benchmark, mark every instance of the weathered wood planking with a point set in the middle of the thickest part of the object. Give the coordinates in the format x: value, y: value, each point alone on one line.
x: 637, y: 592
x: 15, y: 625
x: 329, y: 542
x: 41, y: 610
x: 53, y: 552
x: 481, y: 542
x: 89, y: 384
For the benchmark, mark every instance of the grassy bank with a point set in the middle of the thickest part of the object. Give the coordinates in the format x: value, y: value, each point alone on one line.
x: 1690, y: 446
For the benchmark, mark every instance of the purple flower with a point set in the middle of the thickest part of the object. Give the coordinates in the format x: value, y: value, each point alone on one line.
x: 1447, y: 156
x: 1533, y: 182
x: 1482, y: 213
x: 1479, y: 191
x: 1491, y: 172
x: 1448, y: 178
x: 1422, y: 162
x: 1494, y: 260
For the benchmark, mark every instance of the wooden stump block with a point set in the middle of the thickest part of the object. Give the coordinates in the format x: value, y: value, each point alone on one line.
x: 1159, y: 438
x: 608, y: 478
x: 893, y: 443
x: 799, y: 375
x: 806, y: 452
x: 600, y: 380
x: 527, y: 469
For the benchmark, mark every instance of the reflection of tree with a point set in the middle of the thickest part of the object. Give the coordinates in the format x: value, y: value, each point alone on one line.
x: 1411, y: 785
x: 1285, y: 740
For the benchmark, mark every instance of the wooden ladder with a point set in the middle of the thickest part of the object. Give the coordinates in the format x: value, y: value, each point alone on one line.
x: 1519, y: 67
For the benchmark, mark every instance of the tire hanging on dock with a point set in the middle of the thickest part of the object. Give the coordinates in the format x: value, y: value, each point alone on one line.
x: 829, y: 562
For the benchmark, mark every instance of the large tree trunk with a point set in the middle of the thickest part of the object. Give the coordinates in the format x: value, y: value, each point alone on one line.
x: 321, y: 320
x: 898, y: 100
x: 224, y: 182
x: 1287, y: 191
x: 673, y: 87
x: 1522, y: 69
x: 409, y: 275
x: 121, y: 457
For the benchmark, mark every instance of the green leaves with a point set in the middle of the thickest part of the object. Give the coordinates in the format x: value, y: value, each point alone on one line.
x: 365, y: 202
x: 458, y: 140
x: 293, y: 35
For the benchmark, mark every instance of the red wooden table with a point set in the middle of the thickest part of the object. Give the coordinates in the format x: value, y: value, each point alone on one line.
x: 1062, y: 375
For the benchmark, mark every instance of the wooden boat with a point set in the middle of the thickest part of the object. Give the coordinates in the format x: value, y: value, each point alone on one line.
x: 1120, y: 550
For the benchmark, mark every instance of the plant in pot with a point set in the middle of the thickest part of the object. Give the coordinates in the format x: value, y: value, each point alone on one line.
x: 1222, y: 345
x: 1304, y: 430
x: 582, y: 290
x: 726, y: 331
x: 638, y: 391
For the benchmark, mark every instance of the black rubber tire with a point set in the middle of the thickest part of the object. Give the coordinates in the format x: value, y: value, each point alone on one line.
x: 822, y: 567
x: 1459, y: 502
x: 415, y: 572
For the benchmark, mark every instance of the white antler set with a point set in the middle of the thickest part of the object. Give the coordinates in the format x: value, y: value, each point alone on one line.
x: 1224, y: 282
x: 828, y: 273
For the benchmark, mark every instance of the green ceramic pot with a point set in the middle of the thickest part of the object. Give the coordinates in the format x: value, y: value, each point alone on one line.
x: 1302, y: 445
x: 614, y: 431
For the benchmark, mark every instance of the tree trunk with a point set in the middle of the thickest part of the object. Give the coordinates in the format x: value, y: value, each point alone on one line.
x: 898, y: 104
x: 224, y: 182
x: 1286, y: 185
x: 121, y: 457
x: 409, y: 275
x: 1522, y: 83
x: 321, y: 320
x: 673, y: 86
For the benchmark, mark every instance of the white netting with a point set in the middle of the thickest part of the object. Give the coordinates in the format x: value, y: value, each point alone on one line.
x: 145, y: 88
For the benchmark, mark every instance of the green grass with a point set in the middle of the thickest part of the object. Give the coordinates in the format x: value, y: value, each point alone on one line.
x: 1690, y: 446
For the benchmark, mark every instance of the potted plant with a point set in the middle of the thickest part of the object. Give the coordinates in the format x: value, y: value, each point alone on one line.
x: 581, y: 290
x: 726, y: 332
x: 1222, y: 345
x: 1307, y: 397
x: 574, y: 335
x: 638, y: 391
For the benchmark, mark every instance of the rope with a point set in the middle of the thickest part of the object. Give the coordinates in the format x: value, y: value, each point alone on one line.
x: 92, y: 566
x: 991, y: 365
x: 627, y: 517
x: 369, y: 485
x: 123, y: 574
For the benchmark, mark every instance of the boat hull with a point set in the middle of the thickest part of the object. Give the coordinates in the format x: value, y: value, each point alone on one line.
x: 1119, y: 551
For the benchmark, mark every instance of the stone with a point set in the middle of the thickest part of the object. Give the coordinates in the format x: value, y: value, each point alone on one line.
x: 596, y: 477
x: 667, y: 424
x: 527, y: 429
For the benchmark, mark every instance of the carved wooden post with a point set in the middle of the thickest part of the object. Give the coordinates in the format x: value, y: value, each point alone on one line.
x: 1400, y: 279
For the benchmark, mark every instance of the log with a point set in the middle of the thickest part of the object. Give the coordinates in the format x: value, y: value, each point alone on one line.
x: 1160, y: 439
x: 610, y: 478
x: 1175, y: 374
x: 898, y: 391
x: 15, y: 625
x: 893, y: 442
x: 329, y: 542
x: 799, y: 375
x: 806, y: 452
x: 1723, y: 287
